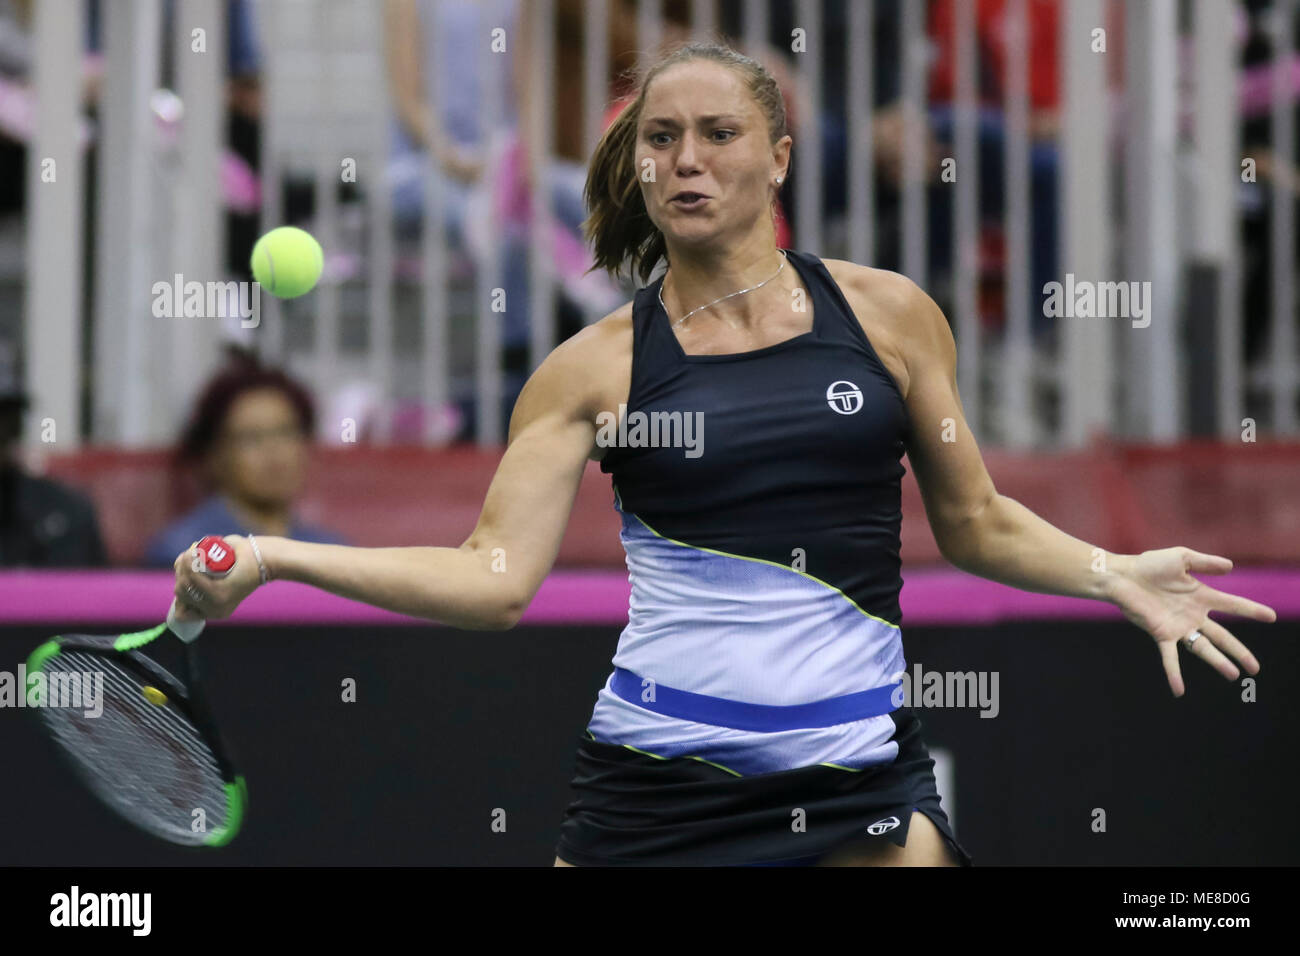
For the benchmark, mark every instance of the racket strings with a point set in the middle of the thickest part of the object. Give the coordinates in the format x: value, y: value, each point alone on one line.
x: 149, y: 761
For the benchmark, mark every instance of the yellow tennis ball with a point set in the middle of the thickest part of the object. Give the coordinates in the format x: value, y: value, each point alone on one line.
x: 287, y: 262
x: 154, y: 696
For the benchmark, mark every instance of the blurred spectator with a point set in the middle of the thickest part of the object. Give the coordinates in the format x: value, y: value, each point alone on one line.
x: 564, y: 172
x: 888, y: 127
x: 1273, y: 169
x: 42, y: 523
x: 248, y: 436
x: 885, y: 63
x: 437, y: 45
x: 1041, y: 32
x: 832, y: 125
x: 15, y: 37
x: 486, y: 178
x: 477, y: 167
x: 436, y: 56
x: 17, y: 100
x: 521, y: 165
x: 240, y: 184
x: 242, y: 157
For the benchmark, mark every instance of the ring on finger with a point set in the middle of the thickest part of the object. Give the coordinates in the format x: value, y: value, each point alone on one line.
x: 1192, y: 638
x: 193, y: 593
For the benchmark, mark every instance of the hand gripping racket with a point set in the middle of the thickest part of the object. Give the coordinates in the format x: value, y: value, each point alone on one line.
x: 152, y: 753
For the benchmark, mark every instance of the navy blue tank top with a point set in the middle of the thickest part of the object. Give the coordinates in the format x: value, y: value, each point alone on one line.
x: 759, y: 494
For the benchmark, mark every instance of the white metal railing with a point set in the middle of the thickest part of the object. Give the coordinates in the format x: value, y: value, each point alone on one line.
x: 327, y: 99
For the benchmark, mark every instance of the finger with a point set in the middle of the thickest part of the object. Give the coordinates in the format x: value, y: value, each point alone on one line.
x: 190, y: 593
x: 1169, y: 655
x: 186, y: 612
x: 1206, y: 651
x: 1240, y: 606
x: 185, y: 558
x: 1201, y: 563
x: 185, y: 568
x: 1227, y: 642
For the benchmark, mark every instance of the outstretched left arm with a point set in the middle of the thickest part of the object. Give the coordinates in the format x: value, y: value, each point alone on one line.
x: 995, y: 537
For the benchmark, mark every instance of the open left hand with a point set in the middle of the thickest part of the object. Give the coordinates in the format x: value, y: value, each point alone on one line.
x: 199, y: 595
x: 1156, y: 591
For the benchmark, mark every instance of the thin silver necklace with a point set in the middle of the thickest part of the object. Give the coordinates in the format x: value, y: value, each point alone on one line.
x: 784, y: 257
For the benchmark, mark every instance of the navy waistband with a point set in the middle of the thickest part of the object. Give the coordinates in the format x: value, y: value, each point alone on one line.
x: 742, y: 716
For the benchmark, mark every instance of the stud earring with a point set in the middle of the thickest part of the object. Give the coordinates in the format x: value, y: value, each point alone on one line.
x: 778, y: 180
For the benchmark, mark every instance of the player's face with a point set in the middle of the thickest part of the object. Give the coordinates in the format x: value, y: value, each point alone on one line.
x: 261, y: 454
x: 702, y: 134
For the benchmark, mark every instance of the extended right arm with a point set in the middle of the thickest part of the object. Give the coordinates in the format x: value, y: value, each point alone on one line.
x: 487, y: 582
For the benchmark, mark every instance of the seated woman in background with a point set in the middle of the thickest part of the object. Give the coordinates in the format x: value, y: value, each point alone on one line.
x: 249, y: 436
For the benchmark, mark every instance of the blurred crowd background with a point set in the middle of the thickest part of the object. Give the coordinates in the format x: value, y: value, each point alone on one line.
x: 437, y: 149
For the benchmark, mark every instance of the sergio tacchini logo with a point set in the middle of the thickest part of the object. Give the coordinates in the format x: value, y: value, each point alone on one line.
x: 883, y: 826
x: 844, y: 397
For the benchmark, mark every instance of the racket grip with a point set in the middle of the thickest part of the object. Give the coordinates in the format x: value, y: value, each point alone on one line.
x: 215, y: 559
x: 187, y: 629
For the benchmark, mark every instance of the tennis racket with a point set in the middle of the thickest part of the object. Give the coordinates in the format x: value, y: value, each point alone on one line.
x: 153, y: 753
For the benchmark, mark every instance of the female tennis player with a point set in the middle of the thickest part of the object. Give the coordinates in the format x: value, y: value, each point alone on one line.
x: 754, y: 714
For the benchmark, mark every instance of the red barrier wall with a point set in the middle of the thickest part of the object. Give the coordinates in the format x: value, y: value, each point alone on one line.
x: 1240, y: 500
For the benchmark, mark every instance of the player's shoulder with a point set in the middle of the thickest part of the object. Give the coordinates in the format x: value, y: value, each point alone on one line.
x: 892, y: 292
x: 587, y: 368
x: 597, y: 344
x: 888, y: 299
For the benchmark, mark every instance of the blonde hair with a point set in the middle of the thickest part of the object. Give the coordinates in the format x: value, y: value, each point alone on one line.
x: 619, y: 227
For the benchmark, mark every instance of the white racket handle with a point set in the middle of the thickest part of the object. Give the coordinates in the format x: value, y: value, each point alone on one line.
x: 187, y: 629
